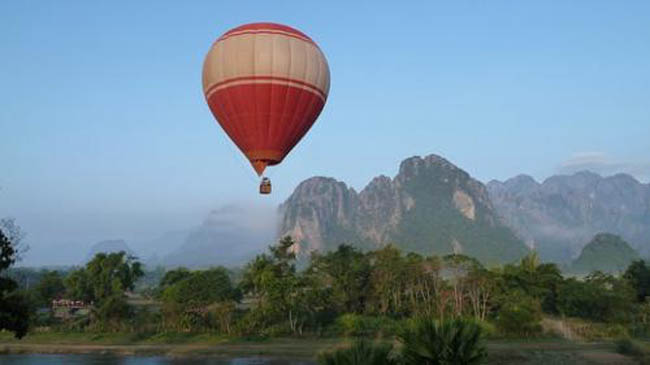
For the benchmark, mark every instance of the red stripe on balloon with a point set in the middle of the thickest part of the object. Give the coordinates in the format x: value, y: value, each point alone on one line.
x: 266, y: 78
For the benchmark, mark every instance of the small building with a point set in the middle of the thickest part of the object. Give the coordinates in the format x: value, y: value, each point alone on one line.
x: 66, y: 308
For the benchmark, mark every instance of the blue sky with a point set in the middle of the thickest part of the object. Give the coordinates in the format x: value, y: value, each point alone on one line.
x: 106, y: 133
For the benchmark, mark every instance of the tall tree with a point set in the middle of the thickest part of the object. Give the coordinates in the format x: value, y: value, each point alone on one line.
x: 202, y: 288
x: 49, y: 287
x: 388, y: 281
x: 459, y: 268
x: 14, y: 313
x: 425, y: 286
x: 638, y: 275
x: 282, y: 294
x: 15, y: 235
x: 189, y: 302
x: 481, y: 286
x: 599, y: 297
x: 538, y: 280
x: 104, y: 281
x: 171, y: 277
x: 106, y: 275
x: 347, y: 271
x: 273, y: 281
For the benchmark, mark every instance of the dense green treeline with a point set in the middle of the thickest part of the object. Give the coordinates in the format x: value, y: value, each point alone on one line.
x: 342, y: 292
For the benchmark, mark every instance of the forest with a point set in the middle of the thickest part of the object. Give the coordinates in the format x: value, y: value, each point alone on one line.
x: 383, y: 295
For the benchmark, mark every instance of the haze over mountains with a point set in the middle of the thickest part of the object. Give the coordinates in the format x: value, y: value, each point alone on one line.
x: 228, y: 236
x: 560, y: 215
x: 431, y: 207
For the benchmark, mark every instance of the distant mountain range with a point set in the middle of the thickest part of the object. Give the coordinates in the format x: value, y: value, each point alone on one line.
x: 559, y: 216
x: 430, y: 207
x: 228, y: 236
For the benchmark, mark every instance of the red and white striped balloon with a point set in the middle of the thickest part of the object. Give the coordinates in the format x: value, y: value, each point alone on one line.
x: 266, y: 85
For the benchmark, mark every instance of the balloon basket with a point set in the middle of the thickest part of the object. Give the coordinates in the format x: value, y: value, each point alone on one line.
x: 265, y: 186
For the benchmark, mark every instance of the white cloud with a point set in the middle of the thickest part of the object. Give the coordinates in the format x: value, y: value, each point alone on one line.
x: 604, y: 164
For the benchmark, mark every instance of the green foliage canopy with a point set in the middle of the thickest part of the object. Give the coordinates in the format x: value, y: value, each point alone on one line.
x: 200, y: 288
x: 105, y: 276
x: 14, y: 313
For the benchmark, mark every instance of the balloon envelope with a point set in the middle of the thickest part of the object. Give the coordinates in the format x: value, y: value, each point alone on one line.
x: 266, y: 84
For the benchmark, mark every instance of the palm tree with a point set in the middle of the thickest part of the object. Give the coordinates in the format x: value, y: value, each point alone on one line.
x: 530, y: 262
x: 431, y: 342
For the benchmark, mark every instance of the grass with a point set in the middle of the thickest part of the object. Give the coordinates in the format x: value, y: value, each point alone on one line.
x: 627, y: 346
x: 541, y: 351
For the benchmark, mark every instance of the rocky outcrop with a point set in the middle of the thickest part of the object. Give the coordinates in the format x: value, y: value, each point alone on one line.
x: 316, y: 211
x: 464, y: 204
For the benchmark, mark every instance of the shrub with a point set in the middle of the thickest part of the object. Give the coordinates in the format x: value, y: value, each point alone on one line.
x: 488, y: 330
x: 581, y: 329
x: 360, y: 353
x: 431, y: 342
x: 280, y: 329
x: 520, y: 315
x: 357, y: 325
x: 599, y: 297
x: 629, y: 347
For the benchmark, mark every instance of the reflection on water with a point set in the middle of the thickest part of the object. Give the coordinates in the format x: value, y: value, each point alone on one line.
x: 137, y: 360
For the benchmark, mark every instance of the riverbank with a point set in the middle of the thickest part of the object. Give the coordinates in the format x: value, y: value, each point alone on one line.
x: 173, y: 344
x: 279, y: 348
x: 179, y: 345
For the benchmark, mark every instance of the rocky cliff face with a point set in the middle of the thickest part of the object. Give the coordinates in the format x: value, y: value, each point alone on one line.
x: 431, y: 206
x: 559, y: 216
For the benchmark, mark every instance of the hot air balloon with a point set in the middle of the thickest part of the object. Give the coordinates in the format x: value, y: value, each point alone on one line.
x: 266, y: 85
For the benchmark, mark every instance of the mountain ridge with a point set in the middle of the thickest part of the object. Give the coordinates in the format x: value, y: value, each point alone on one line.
x: 431, y: 207
x: 560, y: 214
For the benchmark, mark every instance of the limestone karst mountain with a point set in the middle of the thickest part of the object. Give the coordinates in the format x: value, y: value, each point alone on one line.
x: 606, y: 252
x: 430, y: 207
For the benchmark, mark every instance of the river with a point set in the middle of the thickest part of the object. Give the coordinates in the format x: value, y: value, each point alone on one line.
x: 32, y: 359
